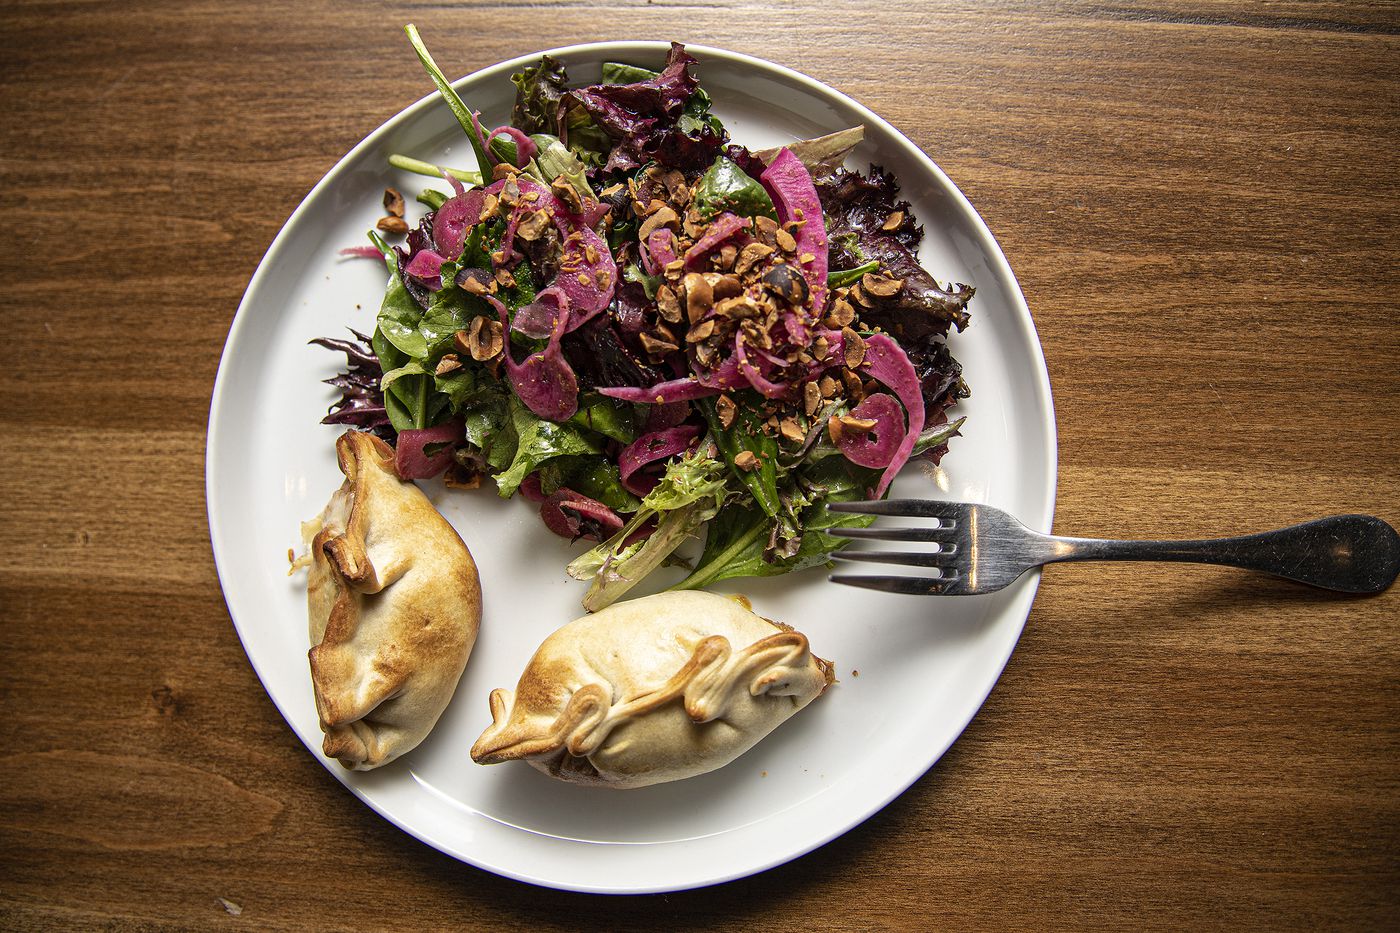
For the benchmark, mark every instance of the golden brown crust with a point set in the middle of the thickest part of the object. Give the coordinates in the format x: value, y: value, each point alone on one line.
x: 393, y: 602
x: 638, y: 722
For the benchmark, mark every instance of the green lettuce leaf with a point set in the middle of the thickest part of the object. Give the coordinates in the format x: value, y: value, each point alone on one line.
x: 538, y: 441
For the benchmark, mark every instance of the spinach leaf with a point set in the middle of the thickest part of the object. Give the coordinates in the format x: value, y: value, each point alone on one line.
x: 609, y: 417
x: 593, y: 476
x: 457, y: 385
x: 488, y: 427
x: 746, y: 434
x: 399, y: 316
x: 538, y: 441
x: 727, y: 187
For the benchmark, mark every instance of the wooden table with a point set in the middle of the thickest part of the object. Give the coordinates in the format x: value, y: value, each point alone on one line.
x: 1201, y: 203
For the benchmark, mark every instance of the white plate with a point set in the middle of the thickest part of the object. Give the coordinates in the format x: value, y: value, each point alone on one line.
x: 926, y: 665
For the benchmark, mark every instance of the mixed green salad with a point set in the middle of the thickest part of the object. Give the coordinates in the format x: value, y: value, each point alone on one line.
x: 654, y: 332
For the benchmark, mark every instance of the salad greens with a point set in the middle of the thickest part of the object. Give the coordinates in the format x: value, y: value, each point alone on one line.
x: 656, y: 333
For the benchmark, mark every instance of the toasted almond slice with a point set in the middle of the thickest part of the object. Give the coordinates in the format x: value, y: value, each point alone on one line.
x: 834, y: 430
x: 393, y: 202
x: 662, y: 217
x: 726, y: 409
x: 699, y: 297
x: 790, y: 429
x: 668, y: 304
x: 880, y: 286
x: 701, y: 331
x: 855, y: 348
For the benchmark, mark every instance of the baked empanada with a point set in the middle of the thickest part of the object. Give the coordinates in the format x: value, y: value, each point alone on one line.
x: 651, y: 690
x: 394, y: 603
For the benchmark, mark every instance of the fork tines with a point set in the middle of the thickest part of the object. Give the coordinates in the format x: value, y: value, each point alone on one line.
x: 943, y: 558
x: 908, y: 586
x: 945, y: 512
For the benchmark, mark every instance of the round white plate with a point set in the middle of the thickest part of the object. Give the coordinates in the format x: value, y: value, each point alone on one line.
x: 925, y: 664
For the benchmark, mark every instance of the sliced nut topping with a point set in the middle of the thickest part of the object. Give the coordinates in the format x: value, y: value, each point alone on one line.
x: 663, y: 217
x: 395, y: 225
x: 474, y: 286
x: 510, y: 192
x: 726, y: 286
x: 694, y: 224
x: 657, y: 347
x: 504, y: 278
x: 880, y: 286
x: 787, y: 283
x: 449, y: 363
x: 567, y: 194
x: 820, y: 346
x: 855, y: 389
x: 532, y: 227
x: 750, y: 256
x: 674, y: 181
x: 489, y: 208
x: 785, y: 241
x: 674, y: 266
x: 701, y: 331
x: 812, y: 398
x: 485, y: 338
x: 842, y: 314
x: 393, y: 202
x: 853, y: 425
x: 746, y: 461
x: 726, y: 409
x: 766, y: 228
x: 858, y: 296
x: 807, y: 258
x: 790, y: 429
x: 855, y: 348
x: 893, y: 221
x: 668, y: 304
x: 829, y: 387
x: 740, y: 308
x: 699, y: 297
x: 611, y: 190
x: 724, y: 257
x: 503, y: 170
x: 834, y: 430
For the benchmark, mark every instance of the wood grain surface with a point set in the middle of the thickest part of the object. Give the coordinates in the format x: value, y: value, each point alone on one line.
x: 1201, y: 202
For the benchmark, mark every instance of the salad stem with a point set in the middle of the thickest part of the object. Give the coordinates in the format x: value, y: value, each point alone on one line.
x: 419, y: 167
x: 454, y: 102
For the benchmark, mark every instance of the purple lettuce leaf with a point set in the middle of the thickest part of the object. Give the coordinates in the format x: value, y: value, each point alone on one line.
x: 857, y: 207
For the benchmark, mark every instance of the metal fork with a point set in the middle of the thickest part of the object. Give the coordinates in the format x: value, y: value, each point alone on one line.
x: 982, y: 549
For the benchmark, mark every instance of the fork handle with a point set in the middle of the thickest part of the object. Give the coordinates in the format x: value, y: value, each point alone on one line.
x: 1350, y: 553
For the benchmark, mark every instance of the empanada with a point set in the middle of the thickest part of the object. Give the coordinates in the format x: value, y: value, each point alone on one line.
x: 651, y: 690
x: 394, y: 603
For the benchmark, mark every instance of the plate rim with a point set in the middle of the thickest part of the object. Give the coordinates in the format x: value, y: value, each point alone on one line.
x: 601, y: 51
